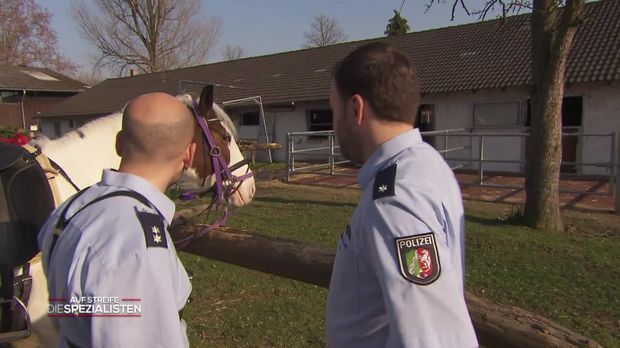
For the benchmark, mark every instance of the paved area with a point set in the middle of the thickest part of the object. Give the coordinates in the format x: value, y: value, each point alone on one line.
x: 592, y: 200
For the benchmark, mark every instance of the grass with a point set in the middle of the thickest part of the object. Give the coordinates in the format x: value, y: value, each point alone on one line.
x: 268, y: 166
x: 572, y: 278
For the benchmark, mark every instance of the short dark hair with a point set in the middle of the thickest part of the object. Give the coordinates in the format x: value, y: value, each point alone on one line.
x: 385, y: 77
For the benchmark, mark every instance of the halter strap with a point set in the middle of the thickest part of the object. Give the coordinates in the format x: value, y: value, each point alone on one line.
x: 222, y: 173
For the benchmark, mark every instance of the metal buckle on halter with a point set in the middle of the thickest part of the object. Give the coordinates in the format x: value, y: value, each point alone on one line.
x: 215, y: 151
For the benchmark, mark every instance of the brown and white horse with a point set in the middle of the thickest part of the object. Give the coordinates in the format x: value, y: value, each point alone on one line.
x: 85, y: 152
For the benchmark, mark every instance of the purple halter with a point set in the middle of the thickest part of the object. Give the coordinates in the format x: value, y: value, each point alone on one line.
x: 222, y: 173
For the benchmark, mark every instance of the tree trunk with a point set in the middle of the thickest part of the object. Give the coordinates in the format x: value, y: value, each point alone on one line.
x: 495, y: 325
x: 551, y: 40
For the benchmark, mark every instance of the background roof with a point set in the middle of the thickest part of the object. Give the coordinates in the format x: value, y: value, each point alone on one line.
x: 13, y: 77
x: 489, y: 54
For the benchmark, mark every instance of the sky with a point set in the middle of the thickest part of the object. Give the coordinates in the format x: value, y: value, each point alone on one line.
x: 269, y: 26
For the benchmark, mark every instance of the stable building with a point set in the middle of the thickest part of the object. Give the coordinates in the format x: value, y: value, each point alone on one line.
x: 475, y: 79
x: 27, y: 92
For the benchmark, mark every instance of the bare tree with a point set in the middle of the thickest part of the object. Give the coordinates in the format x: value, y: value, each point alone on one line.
x: 553, y: 26
x: 147, y: 35
x: 324, y: 31
x: 233, y: 52
x: 27, y: 38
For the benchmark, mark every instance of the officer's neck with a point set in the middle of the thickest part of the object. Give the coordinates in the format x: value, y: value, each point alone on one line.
x: 378, y: 132
x: 158, y: 177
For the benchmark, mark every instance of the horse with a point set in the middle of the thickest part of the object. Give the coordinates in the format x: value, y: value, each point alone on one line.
x: 81, y: 155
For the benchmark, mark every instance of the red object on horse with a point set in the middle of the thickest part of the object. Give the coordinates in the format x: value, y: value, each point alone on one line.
x: 18, y: 139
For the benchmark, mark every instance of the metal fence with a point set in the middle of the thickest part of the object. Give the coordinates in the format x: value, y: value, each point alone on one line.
x: 462, y: 148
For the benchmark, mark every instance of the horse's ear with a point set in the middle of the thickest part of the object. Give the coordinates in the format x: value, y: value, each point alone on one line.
x: 206, y: 100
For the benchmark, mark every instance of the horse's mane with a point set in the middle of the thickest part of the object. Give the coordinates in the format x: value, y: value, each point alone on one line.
x: 89, y: 146
x: 82, y: 132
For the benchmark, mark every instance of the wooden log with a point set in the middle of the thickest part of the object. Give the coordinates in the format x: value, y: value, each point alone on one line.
x: 496, y: 325
x: 285, y: 258
x: 254, y: 147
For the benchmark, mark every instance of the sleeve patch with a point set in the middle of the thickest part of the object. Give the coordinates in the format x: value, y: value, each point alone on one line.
x: 154, y: 231
x: 418, y: 258
x: 384, y: 183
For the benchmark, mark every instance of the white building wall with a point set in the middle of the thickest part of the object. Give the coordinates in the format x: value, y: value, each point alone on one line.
x: 48, y: 127
x: 279, y: 123
x: 298, y: 121
x: 456, y: 110
x: 601, y: 115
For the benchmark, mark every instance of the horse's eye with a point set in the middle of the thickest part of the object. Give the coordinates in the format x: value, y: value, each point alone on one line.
x: 228, y: 138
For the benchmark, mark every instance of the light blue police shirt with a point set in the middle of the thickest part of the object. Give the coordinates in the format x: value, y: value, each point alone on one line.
x: 397, y: 280
x: 104, y: 252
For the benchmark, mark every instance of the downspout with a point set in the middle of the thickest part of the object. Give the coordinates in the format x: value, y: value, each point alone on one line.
x: 23, y: 113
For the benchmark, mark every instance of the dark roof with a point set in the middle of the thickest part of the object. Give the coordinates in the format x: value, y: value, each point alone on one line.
x: 489, y: 54
x: 18, y: 77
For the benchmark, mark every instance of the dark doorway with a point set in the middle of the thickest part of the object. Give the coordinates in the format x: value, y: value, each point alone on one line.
x: 425, y: 120
x: 572, y: 114
x: 572, y: 111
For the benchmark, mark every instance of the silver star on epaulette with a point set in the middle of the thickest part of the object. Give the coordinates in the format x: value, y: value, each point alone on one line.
x: 156, y: 234
x: 383, y: 188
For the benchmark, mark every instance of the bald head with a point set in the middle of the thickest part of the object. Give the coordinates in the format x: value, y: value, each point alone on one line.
x: 156, y: 127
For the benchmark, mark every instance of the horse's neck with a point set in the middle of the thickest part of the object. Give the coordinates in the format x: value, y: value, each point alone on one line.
x: 84, y: 153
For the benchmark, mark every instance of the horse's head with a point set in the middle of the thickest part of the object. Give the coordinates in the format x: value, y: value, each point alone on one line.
x: 218, y: 162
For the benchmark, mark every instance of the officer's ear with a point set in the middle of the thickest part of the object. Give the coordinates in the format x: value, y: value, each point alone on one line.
x: 119, y: 143
x: 188, y: 157
x: 358, y: 107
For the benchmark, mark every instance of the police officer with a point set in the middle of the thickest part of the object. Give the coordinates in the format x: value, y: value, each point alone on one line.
x: 110, y: 245
x: 397, y: 279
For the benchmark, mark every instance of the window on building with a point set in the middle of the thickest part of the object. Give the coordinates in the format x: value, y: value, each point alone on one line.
x: 250, y: 118
x: 496, y: 114
x: 320, y: 120
x: 57, y: 129
x: 10, y: 97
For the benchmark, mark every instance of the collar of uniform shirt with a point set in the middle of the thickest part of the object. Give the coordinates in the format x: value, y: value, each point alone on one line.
x: 135, y: 183
x: 386, y: 151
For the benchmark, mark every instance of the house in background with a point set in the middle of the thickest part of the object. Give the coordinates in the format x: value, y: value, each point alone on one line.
x: 26, y: 92
x: 474, y: 77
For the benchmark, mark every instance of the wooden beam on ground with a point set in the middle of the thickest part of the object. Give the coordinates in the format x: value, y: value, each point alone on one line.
x: 495, y: 325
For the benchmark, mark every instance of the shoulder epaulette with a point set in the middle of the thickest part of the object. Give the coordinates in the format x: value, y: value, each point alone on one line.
x: 154, y: 231
x: 385, y: 180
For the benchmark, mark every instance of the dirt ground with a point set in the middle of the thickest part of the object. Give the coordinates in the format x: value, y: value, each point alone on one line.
x: 596, y: 198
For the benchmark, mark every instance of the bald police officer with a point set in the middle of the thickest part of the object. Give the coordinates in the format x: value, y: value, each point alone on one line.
x: 397, y: 279
x: 109, y: 245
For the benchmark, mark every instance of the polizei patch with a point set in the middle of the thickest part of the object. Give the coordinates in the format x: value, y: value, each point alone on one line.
x: 418, y: 258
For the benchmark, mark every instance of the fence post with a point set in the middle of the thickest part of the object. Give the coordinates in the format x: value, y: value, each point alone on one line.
x: 445, y: 145
x: 614, y: 169
x: 331, y: 153
x: 288, y: 156
x: 481, y: 158
x: 471, y: 150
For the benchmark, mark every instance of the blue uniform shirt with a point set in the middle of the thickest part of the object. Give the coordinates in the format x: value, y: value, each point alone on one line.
x: 106, y: 251
x: 398, y: 279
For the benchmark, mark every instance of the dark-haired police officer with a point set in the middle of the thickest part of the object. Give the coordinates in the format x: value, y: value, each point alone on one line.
x: 397, y: 279
x: 106, y: 247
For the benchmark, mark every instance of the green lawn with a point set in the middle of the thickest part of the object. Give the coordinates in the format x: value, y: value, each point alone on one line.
x: 572, y: 278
